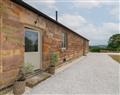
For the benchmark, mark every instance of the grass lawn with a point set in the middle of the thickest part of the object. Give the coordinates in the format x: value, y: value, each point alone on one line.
x: 116, y: 57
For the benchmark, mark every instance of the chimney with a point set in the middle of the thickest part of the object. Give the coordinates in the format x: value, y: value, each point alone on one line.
x: 56, y: 15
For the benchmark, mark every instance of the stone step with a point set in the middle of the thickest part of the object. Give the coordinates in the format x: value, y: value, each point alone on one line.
x: 36, y: 72
x: 31, y: 82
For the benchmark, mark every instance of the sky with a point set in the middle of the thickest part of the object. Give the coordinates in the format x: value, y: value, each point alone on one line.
x: 97, y: 20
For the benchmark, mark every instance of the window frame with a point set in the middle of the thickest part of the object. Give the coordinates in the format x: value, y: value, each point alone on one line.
x: 64, y: 40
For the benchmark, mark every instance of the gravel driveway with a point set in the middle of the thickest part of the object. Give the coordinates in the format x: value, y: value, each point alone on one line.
x: 94, y: 74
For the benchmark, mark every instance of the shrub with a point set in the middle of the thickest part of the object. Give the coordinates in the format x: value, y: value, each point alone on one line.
x: 54, y: 58
x: 95, y: 49
x: 114, y: 42
x: 28, y: 68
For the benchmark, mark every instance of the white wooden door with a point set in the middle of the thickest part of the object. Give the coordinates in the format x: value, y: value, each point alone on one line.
x: 32, y: 48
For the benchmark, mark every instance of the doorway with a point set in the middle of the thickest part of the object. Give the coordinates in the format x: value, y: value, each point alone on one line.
x: 33, y: 48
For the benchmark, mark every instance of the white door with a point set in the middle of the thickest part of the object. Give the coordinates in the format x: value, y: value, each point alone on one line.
x: 32, y: 48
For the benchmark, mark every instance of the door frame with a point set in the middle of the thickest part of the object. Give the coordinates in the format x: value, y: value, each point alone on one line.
x: 40, y: 39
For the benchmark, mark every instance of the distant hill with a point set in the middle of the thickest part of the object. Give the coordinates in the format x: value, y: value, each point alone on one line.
x: 99, y: 46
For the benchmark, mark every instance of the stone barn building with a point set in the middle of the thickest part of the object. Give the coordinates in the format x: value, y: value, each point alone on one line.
x: 28, y: 36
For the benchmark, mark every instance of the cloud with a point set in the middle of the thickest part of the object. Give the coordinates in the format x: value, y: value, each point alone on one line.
x: 99, y: 34
x: 96, y: 34
x: 92, y: 3
x: 115, y: 12
x: 111, y: 27
x: 73, y: 21
x: 47, y: 3
x: 46, y: 6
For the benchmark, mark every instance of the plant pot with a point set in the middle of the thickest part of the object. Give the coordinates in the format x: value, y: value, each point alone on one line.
x: 19, y: 87
x: 52, y: 69
x: 84, y: 54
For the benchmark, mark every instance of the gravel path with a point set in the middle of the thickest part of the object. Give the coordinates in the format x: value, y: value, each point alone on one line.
x: 96, y: 74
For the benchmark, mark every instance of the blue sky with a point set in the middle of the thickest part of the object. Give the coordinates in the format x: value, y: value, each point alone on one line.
x: 96, y: 20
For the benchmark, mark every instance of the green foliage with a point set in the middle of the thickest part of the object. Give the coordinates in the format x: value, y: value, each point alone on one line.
x: 28, y: 68
x: 54, y: 58
x: 99, y: 48
x: 95, y: 49
x: 25, y: 69
x: 114, y: 42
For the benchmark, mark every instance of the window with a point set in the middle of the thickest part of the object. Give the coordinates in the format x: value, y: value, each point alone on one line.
x: 64, y: 40
x: 31, y: 41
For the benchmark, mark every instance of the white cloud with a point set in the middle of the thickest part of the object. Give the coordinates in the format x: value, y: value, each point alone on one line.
x: 43, y: 1
x: 48, y: 3
x: 99, y: 34
x: 111, y: 27
x: 92, y: 3
x: 96, y: 34
x: 73, y: 21
x: 87, y: 4
x: 115, y: 12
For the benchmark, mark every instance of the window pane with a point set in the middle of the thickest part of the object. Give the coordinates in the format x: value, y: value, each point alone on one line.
x: 64, y: 40
x: 31, y: 41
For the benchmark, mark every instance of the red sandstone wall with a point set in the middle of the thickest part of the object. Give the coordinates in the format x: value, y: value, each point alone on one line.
x: 15, y: 18
x: 11, y: 46
x: 0, y: 42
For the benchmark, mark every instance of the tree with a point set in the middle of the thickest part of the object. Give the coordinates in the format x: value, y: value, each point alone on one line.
x: 28, y: 44
x: 114, y: 42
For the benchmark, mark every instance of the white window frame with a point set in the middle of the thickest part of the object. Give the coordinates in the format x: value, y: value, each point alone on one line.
x: 64, y: 40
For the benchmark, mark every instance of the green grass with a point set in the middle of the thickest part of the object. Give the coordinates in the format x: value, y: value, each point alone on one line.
x: 116, y: 57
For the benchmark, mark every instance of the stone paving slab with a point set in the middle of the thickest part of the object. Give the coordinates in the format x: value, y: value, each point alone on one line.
x: 31, y: 82
x: 96, y: 74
